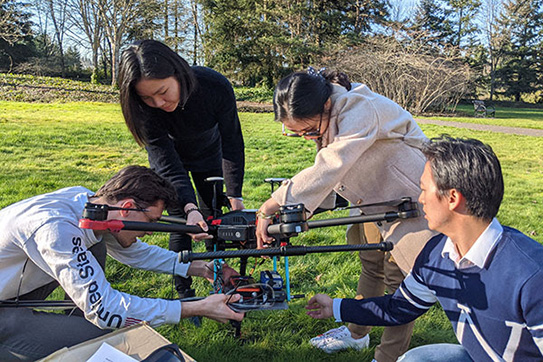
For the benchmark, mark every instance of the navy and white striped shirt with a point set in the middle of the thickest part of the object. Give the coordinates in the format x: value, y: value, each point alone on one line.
x: 493, y: 296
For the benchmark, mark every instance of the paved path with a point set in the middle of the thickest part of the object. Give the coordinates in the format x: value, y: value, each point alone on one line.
x: 485, y: 127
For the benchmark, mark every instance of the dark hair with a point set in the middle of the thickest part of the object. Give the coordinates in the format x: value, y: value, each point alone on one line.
x: 302, y: 95
x: 155, y: 60
x: 141, y: 184
x: 472, y: 168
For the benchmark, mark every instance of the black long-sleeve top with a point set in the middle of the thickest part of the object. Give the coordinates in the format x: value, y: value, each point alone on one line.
x: 203, y: 135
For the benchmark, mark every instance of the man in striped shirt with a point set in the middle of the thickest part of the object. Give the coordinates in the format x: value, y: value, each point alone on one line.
x: 487, y: 277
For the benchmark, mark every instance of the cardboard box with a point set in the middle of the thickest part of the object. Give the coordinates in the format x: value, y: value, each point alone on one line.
x: 137, y: 341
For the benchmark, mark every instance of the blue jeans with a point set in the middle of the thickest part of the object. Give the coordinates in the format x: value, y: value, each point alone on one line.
x: 442, y: 352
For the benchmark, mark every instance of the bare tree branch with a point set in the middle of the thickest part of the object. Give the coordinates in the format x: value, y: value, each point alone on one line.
x: 409, y: 75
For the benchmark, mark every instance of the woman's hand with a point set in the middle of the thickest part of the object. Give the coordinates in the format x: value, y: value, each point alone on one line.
x: 195, y: 217
x: 262, y: 236
x: 264, y: 217
x: 236, y: 204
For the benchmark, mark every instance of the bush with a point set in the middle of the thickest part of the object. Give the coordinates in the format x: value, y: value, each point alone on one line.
x: 256, y: 94
x: 418, y: 82
x: 28, y: 88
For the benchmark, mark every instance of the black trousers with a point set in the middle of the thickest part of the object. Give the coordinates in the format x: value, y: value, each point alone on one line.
x: 206, y: 199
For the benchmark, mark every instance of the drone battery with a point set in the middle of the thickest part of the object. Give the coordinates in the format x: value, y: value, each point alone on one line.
x: 233, y: 233
x: 271, y: 278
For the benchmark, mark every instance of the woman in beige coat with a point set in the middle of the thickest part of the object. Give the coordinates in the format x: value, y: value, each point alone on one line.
x: 368, y: 152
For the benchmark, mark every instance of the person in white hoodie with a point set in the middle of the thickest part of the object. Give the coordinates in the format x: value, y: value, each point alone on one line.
x: 43, y: 247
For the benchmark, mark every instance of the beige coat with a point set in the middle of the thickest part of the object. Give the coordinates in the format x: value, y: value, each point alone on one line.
x: 369, y: 153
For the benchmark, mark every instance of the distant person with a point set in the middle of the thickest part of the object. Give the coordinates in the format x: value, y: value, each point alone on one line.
x: 369, y: 151
x: 42, y: 247
x: 186, y: 117
x: 488, y: 278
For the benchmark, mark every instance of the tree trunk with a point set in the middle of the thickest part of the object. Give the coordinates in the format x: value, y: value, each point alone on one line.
x: 194, y: 6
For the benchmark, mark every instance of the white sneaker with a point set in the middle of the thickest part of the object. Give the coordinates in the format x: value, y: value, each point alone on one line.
x: 316, y: 340
x: 338, y: 339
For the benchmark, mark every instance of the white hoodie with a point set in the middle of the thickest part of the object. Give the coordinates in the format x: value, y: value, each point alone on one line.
x: 40, y: 241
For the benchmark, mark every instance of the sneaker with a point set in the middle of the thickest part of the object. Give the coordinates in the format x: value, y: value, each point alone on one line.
x: 338, y: 339
x: 315, y: 341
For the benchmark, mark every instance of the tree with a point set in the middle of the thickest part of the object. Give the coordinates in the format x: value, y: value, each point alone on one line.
x: 523, y: 20
x: 242, y: 39
x: 181, y: 25
x: 258, y: 41
x: 14, y: 23
x: 430, y: 25
x: 462, y: 18
x: 494, y: 37
x: 58, y: 12
x: 87, y: 18
x: 15, y: 34
x: 195, y: 12
x: 116, y: 16
x: 362, y: 15
x: 148, y: 22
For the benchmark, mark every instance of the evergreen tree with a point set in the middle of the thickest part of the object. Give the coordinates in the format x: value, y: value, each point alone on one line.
x: 147, y: 22
x: 462, y: 16
x: 494, y: 38
x: 15, y: 34
x: 522, y: 20
x: 429, y: 30
x: 258, y: 41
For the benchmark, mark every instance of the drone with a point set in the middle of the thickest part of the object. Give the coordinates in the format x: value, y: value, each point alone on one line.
x: 234, y: 237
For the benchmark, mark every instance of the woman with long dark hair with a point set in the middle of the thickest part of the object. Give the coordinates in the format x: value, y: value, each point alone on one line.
x: 186, y: 118
x: 369, y: 151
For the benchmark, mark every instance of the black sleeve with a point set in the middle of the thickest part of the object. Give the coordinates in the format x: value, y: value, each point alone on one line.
x: 233, y: 148
x: 164, y: 159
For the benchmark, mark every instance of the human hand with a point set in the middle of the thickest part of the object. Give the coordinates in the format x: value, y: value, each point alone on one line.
x: 264, y: 218
x: 227, y: 272
x: 195, y: 217
x: 263, y: 239
x: 320, y: 307
x: 214, y: 307
x: 236, y: 204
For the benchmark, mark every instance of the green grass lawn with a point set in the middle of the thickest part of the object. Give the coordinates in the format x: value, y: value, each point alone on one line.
x: 509, y: 117
x: 48, y: 146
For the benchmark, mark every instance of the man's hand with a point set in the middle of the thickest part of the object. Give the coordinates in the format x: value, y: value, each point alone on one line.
x: 227, y: 272
x: 213, y: 307
x: 320, y: 307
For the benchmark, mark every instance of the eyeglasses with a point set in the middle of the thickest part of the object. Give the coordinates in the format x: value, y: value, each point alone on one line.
x: 145, y: 213
x: 309, y: 134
